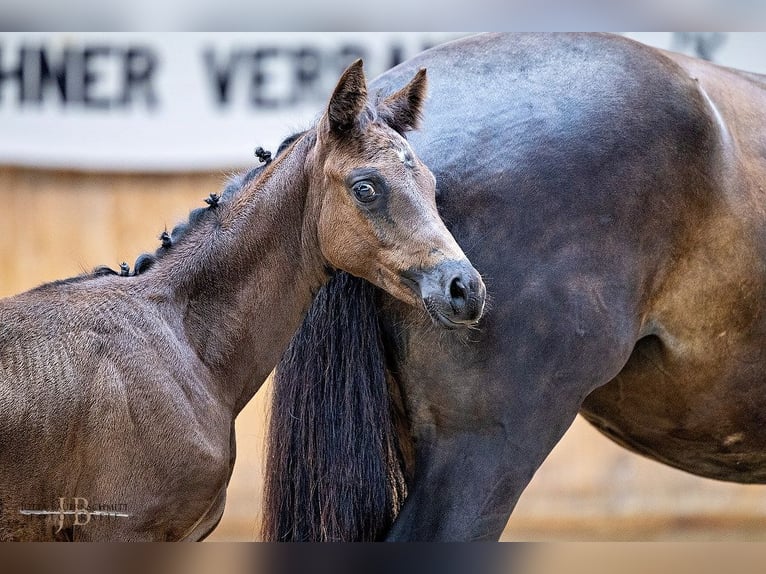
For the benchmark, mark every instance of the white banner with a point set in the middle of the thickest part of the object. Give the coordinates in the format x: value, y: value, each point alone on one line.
x: 172, y: 101
x: 165, y: 102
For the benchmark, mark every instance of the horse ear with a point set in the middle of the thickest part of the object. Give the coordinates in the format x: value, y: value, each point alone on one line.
x: 403, y: 110
x: 348, y: 99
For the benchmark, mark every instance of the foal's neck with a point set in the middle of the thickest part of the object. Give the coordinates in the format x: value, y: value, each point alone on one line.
x: 247, y: 274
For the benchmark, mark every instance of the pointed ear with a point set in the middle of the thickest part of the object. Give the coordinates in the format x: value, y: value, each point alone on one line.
x: 348, y: 99
x: 403, y: 110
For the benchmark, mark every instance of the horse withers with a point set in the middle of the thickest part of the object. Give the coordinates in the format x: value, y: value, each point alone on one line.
x: 118, y: 391
x: 612, y: 195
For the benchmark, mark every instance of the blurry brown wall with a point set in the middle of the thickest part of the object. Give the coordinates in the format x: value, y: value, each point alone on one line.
x: 57, y: 224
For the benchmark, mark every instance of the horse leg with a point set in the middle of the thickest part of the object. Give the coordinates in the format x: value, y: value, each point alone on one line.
x: 485, y: 413
x: 462, y: 491
x: 213, y: 517
x: 467, y: 482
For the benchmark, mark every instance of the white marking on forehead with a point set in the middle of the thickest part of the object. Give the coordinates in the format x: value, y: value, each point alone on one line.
x: 405, y: 153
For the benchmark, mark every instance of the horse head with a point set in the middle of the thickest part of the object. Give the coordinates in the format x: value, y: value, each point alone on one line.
x: 377, y: 203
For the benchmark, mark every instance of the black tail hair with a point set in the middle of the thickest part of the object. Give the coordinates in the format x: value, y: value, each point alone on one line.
x: 333, y: 465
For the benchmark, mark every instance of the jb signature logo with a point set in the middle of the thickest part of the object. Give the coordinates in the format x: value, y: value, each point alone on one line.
x: 78, y: 511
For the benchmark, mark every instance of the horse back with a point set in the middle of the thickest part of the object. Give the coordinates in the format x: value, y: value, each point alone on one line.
x: 551, y: 145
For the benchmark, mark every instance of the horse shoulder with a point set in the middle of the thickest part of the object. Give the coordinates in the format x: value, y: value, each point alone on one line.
x: 103, y: 369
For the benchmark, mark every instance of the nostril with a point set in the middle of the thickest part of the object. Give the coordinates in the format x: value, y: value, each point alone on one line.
x: 458, y: 294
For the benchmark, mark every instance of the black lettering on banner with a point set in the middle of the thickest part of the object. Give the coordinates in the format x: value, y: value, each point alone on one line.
x: 79, y: 76
x: 220, y: 74
x: 102, y: 76
x: 52, y: 75
x: 138, y: 71
x: 259, y: 79
x: 275, y: 76
x: 10, y: 73
x: 308, y: 72
x: 90, y: 76
x: 396, y: 56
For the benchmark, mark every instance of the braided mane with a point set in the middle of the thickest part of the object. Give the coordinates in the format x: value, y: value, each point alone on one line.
x: 146, y: 261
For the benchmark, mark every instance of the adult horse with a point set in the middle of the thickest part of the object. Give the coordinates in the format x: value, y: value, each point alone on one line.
x: 612, y: 195
x: 118, y: 394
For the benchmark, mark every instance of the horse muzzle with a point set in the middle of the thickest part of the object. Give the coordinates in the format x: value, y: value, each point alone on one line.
x: 452, y: 292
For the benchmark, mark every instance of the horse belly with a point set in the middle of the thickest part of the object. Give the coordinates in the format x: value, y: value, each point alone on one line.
x: 692, y: 394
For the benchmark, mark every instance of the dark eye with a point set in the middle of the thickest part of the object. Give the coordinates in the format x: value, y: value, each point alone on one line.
x: 364, y: 191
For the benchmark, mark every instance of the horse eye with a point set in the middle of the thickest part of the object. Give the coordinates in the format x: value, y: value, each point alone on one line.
x: 364, y: 191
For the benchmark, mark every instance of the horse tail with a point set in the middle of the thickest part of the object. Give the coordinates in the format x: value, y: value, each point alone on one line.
x: 333, y: 463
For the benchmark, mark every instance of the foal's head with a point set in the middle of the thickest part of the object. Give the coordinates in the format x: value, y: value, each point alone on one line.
x: 377, y: 214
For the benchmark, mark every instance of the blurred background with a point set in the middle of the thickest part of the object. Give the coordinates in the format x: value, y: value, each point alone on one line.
x: 107, y: 139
